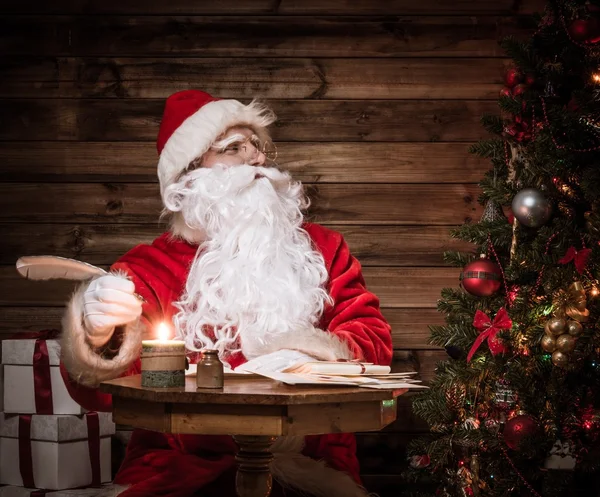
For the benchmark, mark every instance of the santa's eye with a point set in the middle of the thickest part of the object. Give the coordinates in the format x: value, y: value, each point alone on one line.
x: 233, y: 148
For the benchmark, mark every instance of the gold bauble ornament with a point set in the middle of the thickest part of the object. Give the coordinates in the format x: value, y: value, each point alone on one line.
x: 574, y: 328
x: 565, y: 343
x: 548, y: 343
x: 560, y: 359
x: 556, y: 326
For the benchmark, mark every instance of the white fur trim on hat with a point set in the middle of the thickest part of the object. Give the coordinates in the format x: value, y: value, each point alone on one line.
x: 82, y: 362
x: 199, y: 131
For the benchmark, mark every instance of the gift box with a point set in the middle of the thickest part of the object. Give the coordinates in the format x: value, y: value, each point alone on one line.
x: 55, y: 452
x: 11, y: 491
x: 32, y: 380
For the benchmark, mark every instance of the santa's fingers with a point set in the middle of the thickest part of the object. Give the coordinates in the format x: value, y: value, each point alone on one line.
x: 124, y: 312
x: 110, y: 296
x: 113, y: 282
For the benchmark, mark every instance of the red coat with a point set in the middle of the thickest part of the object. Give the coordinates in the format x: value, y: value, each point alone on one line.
x: 179, y: 465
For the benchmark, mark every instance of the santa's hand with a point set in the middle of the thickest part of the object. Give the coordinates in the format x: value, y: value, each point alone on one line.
x: 108, y: 302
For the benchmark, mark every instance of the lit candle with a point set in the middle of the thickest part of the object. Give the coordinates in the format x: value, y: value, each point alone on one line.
x: 163, y: 361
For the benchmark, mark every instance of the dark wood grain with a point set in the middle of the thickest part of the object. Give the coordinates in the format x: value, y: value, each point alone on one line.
x: 283, y: 78
x: 280, y: 7
x: 241, y: 36
x: 298, y: 120
x: 331, y: 203
x: 396, y: 287
x: 105, y: 243
x: 422, y: 361
x: 333, y: 162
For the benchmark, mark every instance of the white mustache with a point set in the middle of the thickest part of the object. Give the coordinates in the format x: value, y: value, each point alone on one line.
x: 223, y: 181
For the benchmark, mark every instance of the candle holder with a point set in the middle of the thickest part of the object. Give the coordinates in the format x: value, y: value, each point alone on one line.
x: 163, y: 363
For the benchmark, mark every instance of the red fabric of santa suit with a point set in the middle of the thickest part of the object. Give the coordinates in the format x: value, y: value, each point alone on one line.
x: 159, y: 464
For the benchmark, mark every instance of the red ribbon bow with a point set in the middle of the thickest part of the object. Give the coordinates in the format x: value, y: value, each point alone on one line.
x: 489, y: 330
x: 580, y: 257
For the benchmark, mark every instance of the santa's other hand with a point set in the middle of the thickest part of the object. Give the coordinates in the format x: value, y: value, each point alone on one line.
x: 108, y: 302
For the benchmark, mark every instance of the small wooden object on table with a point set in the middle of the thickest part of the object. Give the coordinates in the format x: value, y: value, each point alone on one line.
x: 254, y: 412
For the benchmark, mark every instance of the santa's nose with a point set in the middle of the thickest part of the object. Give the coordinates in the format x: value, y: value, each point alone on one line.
x: 259, y: 159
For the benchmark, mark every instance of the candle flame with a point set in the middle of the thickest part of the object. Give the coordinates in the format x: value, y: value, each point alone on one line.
x: 163, y: 331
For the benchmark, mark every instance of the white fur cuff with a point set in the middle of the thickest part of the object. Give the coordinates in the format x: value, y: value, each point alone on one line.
x: 322, y: 345
x: 84, y: 364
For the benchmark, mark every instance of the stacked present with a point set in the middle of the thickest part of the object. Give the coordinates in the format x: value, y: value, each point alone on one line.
x: 47, y: 440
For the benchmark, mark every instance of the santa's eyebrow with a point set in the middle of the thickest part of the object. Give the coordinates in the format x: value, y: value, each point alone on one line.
x: 229, y: 140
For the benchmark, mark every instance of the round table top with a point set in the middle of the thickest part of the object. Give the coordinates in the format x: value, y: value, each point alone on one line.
x: 253, y: 391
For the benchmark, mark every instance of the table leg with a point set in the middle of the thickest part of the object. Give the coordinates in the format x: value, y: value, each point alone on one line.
x: 253, y: 478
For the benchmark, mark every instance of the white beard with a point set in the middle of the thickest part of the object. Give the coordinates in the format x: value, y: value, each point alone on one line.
x: 256, y: 275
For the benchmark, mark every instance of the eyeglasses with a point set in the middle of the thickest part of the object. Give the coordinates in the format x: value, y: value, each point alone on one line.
x: 238, y: 146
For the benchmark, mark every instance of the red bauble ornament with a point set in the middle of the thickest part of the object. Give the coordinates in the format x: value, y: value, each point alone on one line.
x: 481, y: 278
x: 582, y: 30
x: 506, y: 92
x: 518, y: 90
x: 517, y: 428
x: 513, y: 77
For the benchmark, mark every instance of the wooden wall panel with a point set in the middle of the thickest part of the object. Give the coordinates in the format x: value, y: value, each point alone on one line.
x: 328, y: 162
x: 298, y: 120
x: 358, y: 204
x: 264, y: 36
x: 395, y: 286
x: 104, y: 243
x: 283, y: 78
x: 281, y: 7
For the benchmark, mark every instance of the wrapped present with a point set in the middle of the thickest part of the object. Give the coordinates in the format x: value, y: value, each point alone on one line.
x: 11, y: 491
x: 55, y: 452
x: 32, y: 380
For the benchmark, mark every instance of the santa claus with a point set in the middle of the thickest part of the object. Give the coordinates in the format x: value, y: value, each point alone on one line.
x: 240, y: 271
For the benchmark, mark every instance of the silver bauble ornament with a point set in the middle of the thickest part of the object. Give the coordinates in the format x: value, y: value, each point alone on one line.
x: 531, y: 208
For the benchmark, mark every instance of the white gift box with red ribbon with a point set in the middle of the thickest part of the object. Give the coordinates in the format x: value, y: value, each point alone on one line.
x: 55, y: 452
x: 32, y: 380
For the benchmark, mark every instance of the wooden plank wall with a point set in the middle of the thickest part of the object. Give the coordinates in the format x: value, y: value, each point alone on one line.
x: 377, y: 101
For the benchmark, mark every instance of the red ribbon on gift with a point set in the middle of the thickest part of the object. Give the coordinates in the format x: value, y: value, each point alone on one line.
x: 41, y: 368
x: 93, y: 426
x: 579, y: 257
x: 488, y: 330
x: 26, y: 458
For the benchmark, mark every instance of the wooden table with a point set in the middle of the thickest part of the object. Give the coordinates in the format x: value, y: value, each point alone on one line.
x: 254, y: 411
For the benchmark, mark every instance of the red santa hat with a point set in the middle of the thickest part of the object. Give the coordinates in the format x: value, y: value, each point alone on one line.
x: 193, y: 120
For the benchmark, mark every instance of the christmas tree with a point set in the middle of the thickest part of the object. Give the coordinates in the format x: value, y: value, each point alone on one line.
x: 515, y: 410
